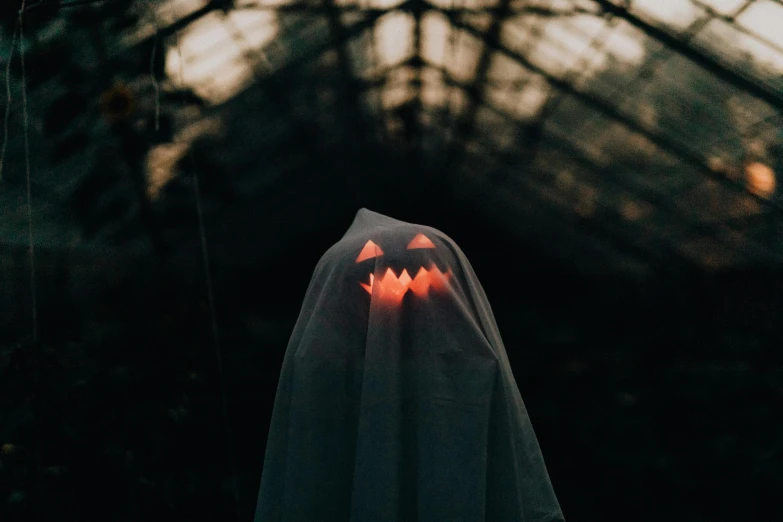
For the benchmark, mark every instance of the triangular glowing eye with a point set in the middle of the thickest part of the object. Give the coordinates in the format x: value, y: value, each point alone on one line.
x: 369, y: 251
x: 420, y: 241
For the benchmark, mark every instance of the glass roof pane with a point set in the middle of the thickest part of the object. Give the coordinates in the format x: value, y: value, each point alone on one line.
x: 563, y: 42
x: 742, y: 51
x: 434, y: 91
x: 626, y: 45
x: 764, y: 18
x: 165, y: 13
x: 677, y: 15
x: 513, y: 89
x: 213, y: 59
x: 462, y: 56
x: 435, y: 33
x: 393, y: 38
x: 624, y: 53
x: 452, y: 49
x: 397, y: 89
x: 566, y: 44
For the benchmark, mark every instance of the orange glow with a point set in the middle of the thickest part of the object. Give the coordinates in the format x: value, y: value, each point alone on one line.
x: 760, y: 178
x: 420, y: 241
x: 369, y: 251
x: 392, y: 288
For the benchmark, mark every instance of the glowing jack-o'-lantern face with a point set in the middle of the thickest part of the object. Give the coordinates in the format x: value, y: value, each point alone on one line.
x: 392, y: 287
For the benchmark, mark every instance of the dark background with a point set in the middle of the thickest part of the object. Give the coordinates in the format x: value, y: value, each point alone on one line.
x: 652, y: 370
x: 652, y: 399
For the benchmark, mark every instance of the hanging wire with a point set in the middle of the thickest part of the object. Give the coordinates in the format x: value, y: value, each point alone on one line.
x: 8, y: 99
x: 26, y: 119
x: 153, y: 78
x: 31, y: 254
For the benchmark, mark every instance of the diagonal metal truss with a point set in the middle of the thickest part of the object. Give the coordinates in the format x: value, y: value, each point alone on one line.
x: 467, y: 122
x: 614, y: 113
x: 682, y: 47
x: 607, y: 174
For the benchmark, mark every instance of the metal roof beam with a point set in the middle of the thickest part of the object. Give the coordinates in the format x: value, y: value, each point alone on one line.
x: 654, y: 199
x: 719, y: 69
x: 467, y: 122
x: 342, y: 36
x: 612, y: 112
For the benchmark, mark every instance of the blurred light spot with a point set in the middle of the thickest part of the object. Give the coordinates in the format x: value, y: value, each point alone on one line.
x: 201, y: 126
x: 564, y: 180
x: 434, y: 91
x: 435, y: 33
x: 395, y: 95
x: 451, y: 49
x: 587, y: 203
x: 648, y: 115
x: 635, y: 210
x: 161, y: 163
x: 393, y: 38
x: 760, y: 179
x: 515, y: 89
x: 153, y: 17
x: 565, y: 43
x: 716, y: 164
x: 220, y: 52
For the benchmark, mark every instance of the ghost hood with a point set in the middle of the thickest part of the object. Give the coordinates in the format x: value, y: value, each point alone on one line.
x: 396, y: 401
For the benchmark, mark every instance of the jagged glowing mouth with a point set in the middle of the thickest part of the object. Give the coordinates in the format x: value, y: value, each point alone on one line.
x: 391, y: 287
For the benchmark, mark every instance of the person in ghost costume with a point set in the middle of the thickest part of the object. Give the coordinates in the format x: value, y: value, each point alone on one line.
x: 396, y: 401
